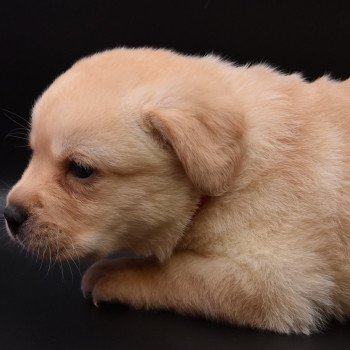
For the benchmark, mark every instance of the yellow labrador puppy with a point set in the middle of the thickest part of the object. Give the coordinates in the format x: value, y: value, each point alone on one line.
x: 232, y: 182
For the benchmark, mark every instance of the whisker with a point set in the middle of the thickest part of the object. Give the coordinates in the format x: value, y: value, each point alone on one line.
x: 22, y: 246
x: 17, y: 133
x: 43, y: 256
x: 65, y: 252
x: 72, y: 257
x: 59, y: 260
x: 15, y: 129
x: 17, y: 115
x: 18, y: 130
x: 5, y: 112
x: 75, y: 264
x: 71, y: 272
x: 24, y: 146
x: 50, y: 261
x: 36, y: 254
x: 5, y: 183
x: 16, y: 137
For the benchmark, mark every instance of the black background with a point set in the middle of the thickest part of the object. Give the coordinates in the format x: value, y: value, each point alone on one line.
x: 40, y: 39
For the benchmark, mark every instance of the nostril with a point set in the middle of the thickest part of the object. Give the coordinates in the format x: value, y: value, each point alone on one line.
x: 15, y: 216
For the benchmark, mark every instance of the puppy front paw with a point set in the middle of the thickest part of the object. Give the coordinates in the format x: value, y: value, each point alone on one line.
x: 105, y: 290
x: 109, y: 280
x: 93, y: 275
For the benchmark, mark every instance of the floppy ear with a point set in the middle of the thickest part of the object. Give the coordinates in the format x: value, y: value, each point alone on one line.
x: 208, y: 146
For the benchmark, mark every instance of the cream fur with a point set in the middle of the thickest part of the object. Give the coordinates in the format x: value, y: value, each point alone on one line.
x: 232, y: 182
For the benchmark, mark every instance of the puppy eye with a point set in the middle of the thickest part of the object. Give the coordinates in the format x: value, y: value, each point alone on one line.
x: 80, y: 171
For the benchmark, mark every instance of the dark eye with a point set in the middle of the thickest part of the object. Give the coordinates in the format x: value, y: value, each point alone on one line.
x: 80, y: 171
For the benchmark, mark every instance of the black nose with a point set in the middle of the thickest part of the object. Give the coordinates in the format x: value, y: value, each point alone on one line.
x: 15, y: 217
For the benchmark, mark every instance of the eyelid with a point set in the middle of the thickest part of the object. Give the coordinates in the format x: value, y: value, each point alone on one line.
x: 84, y: 159
x: 81, y: 160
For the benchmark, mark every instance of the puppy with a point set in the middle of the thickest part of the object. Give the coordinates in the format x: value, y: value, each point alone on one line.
x: 232, y: 182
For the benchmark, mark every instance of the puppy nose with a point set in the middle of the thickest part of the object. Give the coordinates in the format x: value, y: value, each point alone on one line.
x: 15, y: 217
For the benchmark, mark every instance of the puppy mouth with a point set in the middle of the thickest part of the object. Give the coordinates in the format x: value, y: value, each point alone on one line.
x: 45, y: 242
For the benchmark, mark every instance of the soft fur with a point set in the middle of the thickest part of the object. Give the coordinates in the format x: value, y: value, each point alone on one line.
x: 232, y: 182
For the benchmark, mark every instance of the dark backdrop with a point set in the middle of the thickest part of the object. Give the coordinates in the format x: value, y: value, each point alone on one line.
x: 41, y: 38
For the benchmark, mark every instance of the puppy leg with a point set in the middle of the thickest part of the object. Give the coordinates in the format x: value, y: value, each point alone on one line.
x: 217, y: 288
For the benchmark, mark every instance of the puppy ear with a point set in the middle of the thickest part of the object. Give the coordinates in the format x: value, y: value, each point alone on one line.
x: 208, y: 146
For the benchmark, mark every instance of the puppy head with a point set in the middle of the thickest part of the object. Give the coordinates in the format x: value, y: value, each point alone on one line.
x: 123, y: 149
